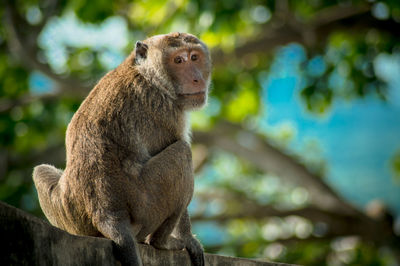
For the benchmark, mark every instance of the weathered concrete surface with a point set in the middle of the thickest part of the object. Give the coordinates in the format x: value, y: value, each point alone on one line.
x: 28, y: 240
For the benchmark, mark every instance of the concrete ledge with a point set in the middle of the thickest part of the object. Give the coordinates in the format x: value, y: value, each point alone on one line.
x: 28, y: 240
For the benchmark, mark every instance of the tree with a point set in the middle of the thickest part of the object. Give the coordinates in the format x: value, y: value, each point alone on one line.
x: 341, y: 40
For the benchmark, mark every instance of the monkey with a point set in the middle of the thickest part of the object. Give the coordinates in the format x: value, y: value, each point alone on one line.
x: 129, y: 174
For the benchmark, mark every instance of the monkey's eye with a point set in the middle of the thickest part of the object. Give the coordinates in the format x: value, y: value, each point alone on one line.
x: 178, y: 60
x: 194, y: 57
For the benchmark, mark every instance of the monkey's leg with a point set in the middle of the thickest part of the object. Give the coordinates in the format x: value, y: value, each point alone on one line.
x: 176, y: 161
x: 171, y: 166
x: 125, y: 246
x: 192, y: 245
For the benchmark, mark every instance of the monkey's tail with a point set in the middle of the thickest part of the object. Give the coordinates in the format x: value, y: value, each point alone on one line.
x: 46, y: 179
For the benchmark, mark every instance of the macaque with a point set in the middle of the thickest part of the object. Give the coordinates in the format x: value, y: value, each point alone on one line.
x: 129, y: 173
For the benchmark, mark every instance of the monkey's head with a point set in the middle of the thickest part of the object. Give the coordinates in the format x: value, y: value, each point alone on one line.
x: 179, y: 63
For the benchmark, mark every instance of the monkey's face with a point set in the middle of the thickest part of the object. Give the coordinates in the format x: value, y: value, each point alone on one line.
x: 181, y: 62
x: 189, y: 70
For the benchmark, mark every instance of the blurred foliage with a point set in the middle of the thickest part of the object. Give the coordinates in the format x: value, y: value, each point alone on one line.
x: 346, y: 70
x: 395, y: 165
x: 339, y: 66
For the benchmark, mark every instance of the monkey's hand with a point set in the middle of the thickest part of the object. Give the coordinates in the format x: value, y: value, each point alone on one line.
x: 191, y: 244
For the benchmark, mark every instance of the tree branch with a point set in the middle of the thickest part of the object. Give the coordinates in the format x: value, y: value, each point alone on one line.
x: 283, y: 29
x: 379, y: 229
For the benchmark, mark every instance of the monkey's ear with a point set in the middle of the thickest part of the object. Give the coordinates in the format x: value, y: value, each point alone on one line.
x: 140, y: 52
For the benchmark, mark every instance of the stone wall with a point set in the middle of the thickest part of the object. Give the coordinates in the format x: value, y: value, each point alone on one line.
x: 28, y: 240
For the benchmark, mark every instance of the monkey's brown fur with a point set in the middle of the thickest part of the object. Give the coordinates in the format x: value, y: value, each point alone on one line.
x: 129, y: 171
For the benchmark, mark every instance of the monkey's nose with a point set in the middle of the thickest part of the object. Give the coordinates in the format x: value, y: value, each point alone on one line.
x: 195, y: 80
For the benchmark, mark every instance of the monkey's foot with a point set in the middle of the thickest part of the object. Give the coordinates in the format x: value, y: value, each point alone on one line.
x: 171, y: 243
